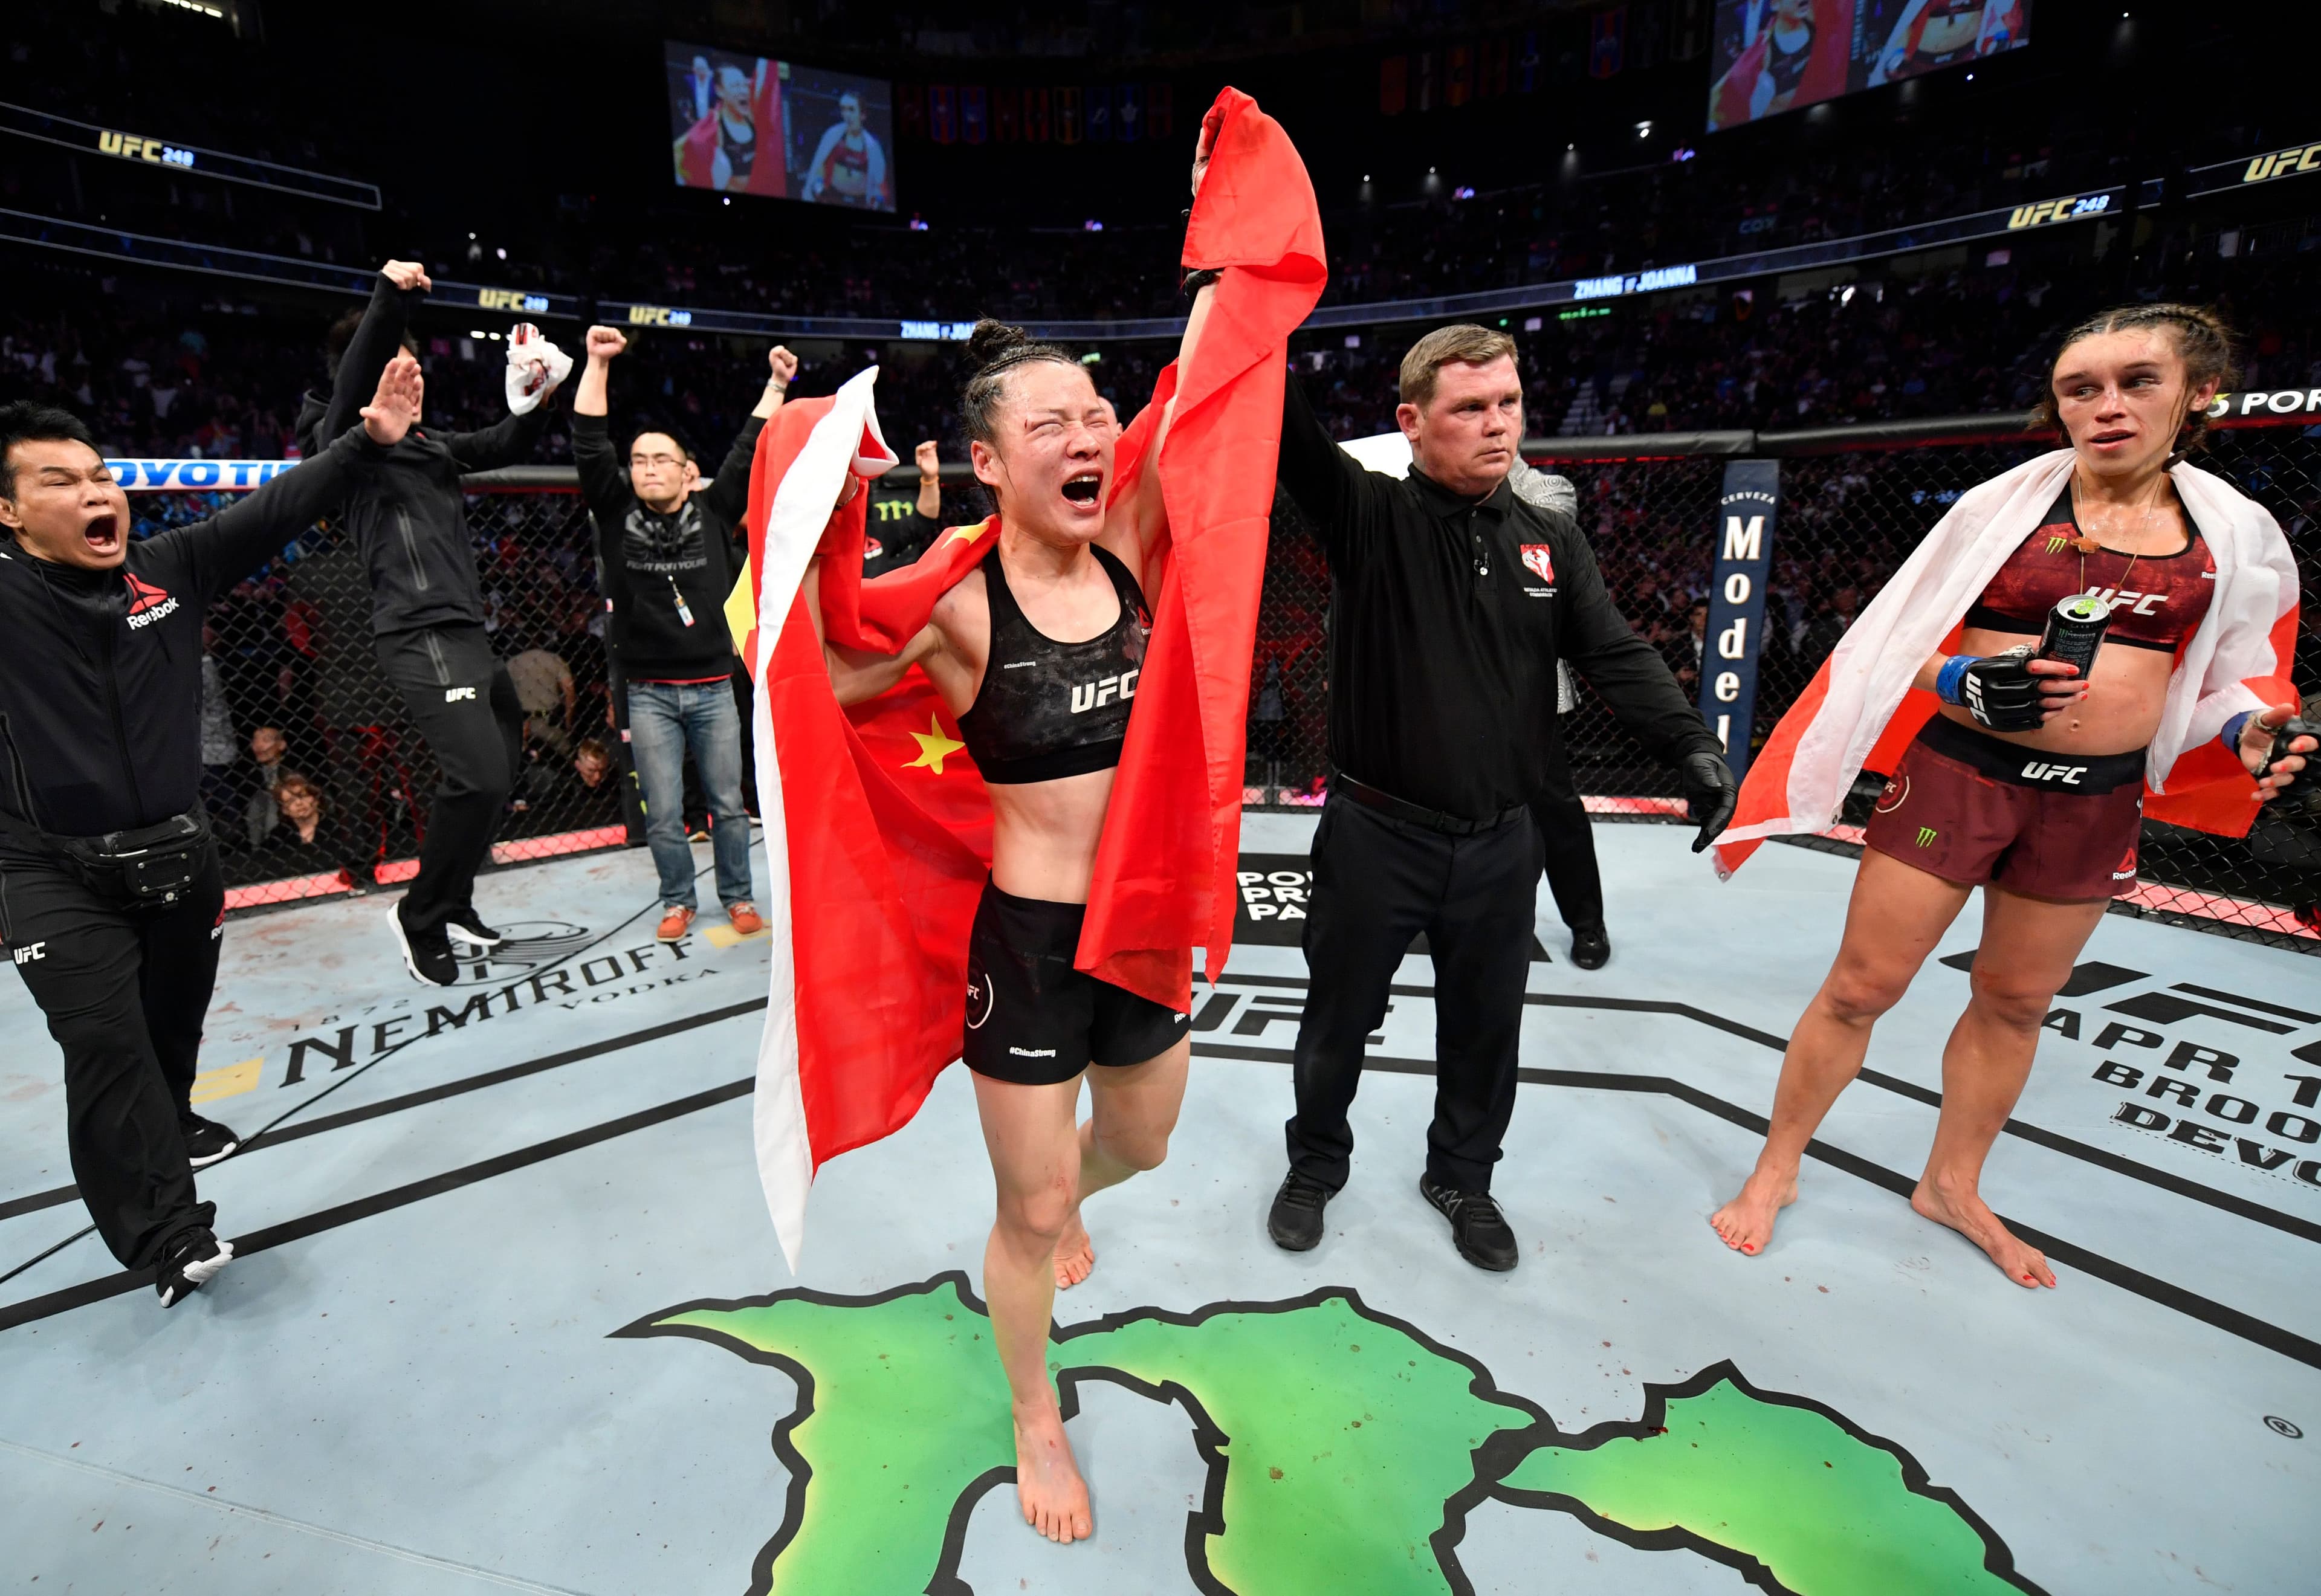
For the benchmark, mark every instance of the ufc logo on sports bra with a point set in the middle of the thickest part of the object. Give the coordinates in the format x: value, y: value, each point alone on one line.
x: 1088, y: 695
x: 2039, y: 770
x: 2134, y: 604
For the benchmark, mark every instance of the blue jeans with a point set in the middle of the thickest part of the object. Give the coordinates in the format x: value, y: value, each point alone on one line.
x: 664, y: 719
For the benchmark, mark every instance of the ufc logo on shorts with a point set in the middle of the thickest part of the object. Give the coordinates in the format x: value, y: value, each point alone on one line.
x: 2039, y: 770
x: 31, y: 951
x: 459, y: 695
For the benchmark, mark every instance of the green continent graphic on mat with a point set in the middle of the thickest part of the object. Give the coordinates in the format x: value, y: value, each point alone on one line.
x: 1345, y: 1449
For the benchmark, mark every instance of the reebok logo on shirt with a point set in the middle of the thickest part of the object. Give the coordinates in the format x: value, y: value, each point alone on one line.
x: 147, y: 603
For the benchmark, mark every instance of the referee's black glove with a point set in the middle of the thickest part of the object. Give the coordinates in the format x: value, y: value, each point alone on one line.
x: 1710, y: 795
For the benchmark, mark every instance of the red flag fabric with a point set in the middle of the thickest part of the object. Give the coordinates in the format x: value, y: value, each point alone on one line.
x: 878, y: 825
x: 1164, y: 870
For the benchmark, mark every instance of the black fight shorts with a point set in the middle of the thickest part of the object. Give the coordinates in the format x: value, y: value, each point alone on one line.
x: 1033, y: 1019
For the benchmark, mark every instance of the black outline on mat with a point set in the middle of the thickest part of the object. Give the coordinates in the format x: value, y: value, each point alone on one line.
x: 1997, y: 1556
x: 33, y: 1202
x: 1496, y: 1458
x: 2233, y: 1321
x: 2164, y: 1294
x: 2054, y: 1142
x: 30, y: 1309
x: 1498, y: 1454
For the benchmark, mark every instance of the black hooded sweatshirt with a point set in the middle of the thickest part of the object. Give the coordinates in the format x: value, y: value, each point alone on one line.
x: 657, y: 569
x: 101, y: 671
x: 404, y: 506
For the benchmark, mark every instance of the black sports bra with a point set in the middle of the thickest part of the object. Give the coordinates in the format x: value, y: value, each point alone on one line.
x: 1048, y: 710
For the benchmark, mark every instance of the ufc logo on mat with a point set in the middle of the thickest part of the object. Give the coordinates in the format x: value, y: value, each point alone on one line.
x: 31, y: 951
x: 459, y: 695
x: 2039, y: 770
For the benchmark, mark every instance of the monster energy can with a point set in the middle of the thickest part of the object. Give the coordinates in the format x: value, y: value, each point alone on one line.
x: 2075, y: 630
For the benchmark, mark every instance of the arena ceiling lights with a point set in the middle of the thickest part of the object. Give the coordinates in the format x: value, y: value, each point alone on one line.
x: 123, y: 144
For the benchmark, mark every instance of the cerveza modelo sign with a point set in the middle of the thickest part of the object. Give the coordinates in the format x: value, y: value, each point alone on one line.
x: 140, y: 145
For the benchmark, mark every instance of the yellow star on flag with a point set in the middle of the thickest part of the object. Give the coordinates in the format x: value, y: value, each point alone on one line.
x: 969, y: 534
x: 935, y: 748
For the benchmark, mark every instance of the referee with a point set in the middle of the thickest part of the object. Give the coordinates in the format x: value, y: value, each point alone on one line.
x: 111, y: 905
x: 1451, y: 601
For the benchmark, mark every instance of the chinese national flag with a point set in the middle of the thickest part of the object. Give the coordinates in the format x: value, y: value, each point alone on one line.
x: 878, y: 826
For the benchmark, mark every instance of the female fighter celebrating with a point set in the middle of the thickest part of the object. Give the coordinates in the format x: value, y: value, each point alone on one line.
x: 2028, y: 781
x: 1023, y: 651
x: 1037, y: 652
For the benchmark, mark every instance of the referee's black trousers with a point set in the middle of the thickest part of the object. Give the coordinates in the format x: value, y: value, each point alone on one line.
x: 125, y: 989
x: 460, y: 696
x: 1378, y: 883
x: 1572, y: 874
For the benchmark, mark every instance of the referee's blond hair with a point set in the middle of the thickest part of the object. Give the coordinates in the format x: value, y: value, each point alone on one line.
x: 1464, y: 343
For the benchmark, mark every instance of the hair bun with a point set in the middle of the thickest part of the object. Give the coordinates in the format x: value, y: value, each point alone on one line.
x: 992, y: 341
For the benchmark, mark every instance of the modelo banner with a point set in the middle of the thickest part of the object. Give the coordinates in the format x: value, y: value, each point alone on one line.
x: 1746, y: 509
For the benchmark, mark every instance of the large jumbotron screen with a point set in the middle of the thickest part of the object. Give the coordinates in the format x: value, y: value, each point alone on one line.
x: 1772, y: 56
x: 747, y: 124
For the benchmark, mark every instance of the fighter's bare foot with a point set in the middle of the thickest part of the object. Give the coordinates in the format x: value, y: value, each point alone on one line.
x: 1964, y: 1211
x: 1746, y: 1223
x: 1075, y: 1255
x: 1048, y: 1483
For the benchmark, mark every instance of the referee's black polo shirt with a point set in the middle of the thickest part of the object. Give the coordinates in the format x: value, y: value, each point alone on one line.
x: 1446, y: 620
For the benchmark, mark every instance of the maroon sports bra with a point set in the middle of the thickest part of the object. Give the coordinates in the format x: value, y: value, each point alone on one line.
x: 2156, y: 604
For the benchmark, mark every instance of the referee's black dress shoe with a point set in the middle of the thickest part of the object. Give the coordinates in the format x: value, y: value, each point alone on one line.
x: 1296, y: 1222
x: 1477, y: 1227
x: 1591, y: 947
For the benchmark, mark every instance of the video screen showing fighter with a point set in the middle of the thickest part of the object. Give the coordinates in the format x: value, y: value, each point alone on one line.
x: 1784, y: 55
x: 1927, y: 35
x: 725, y: 116
x: 847, y: 164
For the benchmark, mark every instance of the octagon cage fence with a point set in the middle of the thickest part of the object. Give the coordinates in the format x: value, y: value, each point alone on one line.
x: 289, y: 648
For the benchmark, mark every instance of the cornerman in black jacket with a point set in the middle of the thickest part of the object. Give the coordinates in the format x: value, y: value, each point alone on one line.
x: 1451, y: 601
x: 111, y: 903
x: 427, y: 610
x: 668, y: 558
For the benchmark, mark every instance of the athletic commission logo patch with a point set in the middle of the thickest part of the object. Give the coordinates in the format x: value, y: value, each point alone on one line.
x: 1537, y: 560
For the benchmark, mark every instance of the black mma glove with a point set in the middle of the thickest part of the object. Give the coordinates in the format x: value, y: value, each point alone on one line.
x: 1997, y: 690
x: 1710, y: 795
x: 2300, y: 791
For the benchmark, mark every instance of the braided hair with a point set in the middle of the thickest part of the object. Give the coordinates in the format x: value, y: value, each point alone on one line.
x: 995, y: 348
x: 2207, y: 345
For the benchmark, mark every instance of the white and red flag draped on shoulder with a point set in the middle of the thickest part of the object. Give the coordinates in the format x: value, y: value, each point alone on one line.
x: 878, y: 825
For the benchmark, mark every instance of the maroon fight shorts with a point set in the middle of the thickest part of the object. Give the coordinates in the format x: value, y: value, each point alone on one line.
x: 1975, y: 809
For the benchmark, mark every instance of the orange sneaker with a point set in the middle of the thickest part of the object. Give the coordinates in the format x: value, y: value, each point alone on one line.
x: 746, y: 918
x: 674, y: 924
